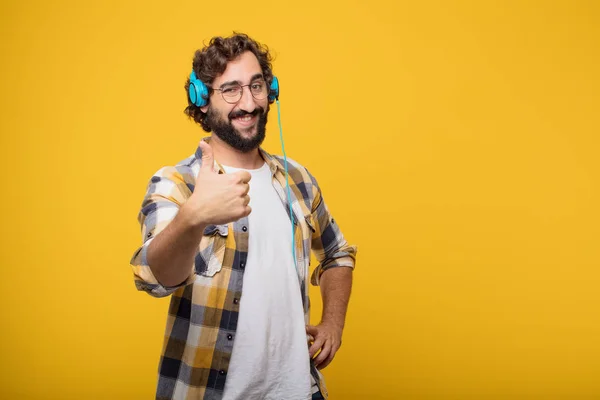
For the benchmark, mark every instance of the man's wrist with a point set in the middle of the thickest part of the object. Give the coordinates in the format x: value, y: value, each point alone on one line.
x: 333, y: 323
x: 192, y: 217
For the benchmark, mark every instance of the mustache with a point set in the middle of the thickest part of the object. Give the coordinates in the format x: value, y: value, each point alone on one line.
x: 242, y: 113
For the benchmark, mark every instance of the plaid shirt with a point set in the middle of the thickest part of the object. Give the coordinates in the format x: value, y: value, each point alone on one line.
x: 203, y: 312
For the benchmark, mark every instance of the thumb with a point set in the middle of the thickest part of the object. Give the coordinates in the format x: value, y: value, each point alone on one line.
x: 311, y: 330
x: 208, y: 159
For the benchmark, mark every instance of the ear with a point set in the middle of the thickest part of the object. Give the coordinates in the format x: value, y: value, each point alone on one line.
x: 204, y: 109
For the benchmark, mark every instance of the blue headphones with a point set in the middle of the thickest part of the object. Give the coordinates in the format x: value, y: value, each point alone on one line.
x: 198, y: 91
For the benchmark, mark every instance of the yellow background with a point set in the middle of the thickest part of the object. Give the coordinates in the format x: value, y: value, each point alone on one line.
x: 456, y: 144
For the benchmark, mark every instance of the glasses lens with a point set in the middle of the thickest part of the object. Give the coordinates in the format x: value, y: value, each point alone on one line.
x: 259, y: 90
x: 232, y: 94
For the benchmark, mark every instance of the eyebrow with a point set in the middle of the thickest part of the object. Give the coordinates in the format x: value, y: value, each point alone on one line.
x: 229, y: 83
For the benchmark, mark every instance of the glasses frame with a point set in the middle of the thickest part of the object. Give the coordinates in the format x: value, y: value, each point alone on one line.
x: 241, y: 91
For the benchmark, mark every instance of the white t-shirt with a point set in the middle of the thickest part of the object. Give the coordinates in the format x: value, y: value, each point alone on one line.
x: 270, y: 353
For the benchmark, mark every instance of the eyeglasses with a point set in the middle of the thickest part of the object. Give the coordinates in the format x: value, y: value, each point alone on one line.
x: 233, y: 93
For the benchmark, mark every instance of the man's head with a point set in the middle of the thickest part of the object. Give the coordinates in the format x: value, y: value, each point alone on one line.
x: 237, y: 71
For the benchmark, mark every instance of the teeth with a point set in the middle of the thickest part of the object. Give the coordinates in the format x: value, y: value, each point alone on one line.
x: 245, y: 118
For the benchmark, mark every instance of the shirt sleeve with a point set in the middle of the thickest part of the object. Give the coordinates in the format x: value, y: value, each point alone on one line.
x: 328, y: 243
x: 166, y: 193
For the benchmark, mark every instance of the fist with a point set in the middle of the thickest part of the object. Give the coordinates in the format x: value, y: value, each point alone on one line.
x: 218, y: 198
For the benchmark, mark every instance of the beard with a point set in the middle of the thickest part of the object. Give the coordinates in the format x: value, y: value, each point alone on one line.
x: 227, y: 133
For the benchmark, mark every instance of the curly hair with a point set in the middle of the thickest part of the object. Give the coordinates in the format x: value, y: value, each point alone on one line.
x: 212, y: 60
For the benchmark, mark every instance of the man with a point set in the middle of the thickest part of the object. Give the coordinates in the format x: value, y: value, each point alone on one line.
x: 219, y: 238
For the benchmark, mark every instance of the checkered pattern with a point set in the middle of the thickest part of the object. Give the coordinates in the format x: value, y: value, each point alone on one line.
x: 203, y: 312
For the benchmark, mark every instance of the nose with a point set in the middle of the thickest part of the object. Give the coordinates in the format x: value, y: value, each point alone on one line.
x: 247, y: 102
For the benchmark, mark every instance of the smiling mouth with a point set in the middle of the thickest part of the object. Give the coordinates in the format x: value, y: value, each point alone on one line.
x: 247, y: 119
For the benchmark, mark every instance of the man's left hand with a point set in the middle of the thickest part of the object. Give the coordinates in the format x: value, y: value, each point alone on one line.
x: 327, y: 337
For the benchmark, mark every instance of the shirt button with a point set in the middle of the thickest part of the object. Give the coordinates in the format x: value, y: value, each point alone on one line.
x: 221, y: 372
x: 244, y: 228
x: 229, y: 337
x: 242, y: 265
x: 235, y: 301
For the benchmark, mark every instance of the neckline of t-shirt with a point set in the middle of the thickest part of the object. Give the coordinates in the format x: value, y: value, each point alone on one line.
x: 229, y: 169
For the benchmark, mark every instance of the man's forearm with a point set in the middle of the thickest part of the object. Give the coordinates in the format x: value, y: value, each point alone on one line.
x: 336, y: 285
x: 171, y: 253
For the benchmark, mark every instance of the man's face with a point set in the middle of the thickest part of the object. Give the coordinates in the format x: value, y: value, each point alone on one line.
x: 242, y: 124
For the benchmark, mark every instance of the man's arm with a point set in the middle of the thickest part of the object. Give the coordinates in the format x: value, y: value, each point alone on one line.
x: 173, y: 225
x: 334, y: 273
x: 336, y: 285
x: 171, y: 253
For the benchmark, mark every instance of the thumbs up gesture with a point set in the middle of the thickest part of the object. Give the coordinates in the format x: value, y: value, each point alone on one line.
x: 218, y: 198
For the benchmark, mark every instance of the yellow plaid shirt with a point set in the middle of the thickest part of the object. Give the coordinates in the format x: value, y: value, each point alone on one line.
x: 203, y: 313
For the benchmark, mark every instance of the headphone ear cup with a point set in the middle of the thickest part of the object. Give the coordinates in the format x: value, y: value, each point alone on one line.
x: 274, y: 90
x: 197, y: 91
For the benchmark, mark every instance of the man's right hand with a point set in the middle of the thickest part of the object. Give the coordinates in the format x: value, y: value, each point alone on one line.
x: 218, y: 198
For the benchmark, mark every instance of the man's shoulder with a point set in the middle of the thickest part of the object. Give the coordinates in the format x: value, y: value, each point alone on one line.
x: 295, y: 169
x: 185, y: 170
x: 302, y: 179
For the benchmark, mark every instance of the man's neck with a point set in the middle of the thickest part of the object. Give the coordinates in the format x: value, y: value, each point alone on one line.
x: 227, y: 155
